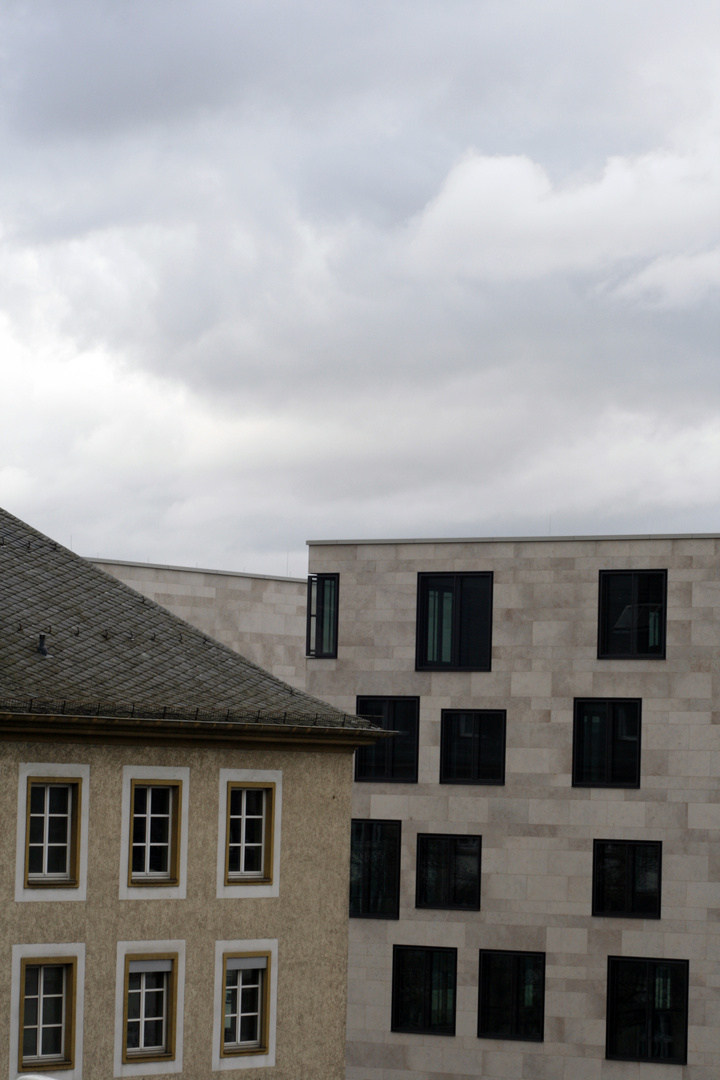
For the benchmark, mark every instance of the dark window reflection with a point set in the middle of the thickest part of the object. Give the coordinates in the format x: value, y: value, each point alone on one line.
x: 472, y: 747
x: 647, y: 1010
x: 395, y: 758
x: 512, y: 995
x: 632, y: 613
x: 375, y: 869
x: 448, y: 872
x: 424, y: 982
x: 606, y: 749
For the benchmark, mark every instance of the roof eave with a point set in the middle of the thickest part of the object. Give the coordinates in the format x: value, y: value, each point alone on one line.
x: 45, y: 727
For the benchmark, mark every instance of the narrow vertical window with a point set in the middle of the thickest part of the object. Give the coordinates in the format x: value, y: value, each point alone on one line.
x: 249, y: 833
x: 375, y: 869
x: 47, y: 1013
x: 394, y: 759
x: 322, y: 616
x: 149, y: 1008
x: 245, y: 995
x: 632, y: 614
x: 154, y: 834
x: 53, y: 817
x: 454, y: 622
x: 606, y: 743
x: 512, y: 995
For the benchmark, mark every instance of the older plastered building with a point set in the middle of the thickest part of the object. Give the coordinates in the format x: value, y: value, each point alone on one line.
x: 536, y: 877
x: 174, y: 848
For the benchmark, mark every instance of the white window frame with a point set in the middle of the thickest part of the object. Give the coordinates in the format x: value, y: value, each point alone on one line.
x: 250, y: 886
x: 244, y: 1060
x: 147, y: 774
x: 76, y: 950
x: 60, y: 772
x: 143, y: 1067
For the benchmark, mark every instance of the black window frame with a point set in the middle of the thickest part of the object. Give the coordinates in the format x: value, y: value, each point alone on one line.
x: 485, y: 997
x: 382, y: 710
x: 612, y: 744
x: 452, y: 842
x: 631, y: 910
x: 316, y: 607
x: 455, y: 662
x: 426, y: 1028
x: 615, y: 963
x: 447, y: 718
x: 604, y: 650
x: 365, y: 860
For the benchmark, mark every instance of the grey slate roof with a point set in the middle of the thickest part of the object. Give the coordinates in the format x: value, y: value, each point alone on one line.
x: 115, y: 653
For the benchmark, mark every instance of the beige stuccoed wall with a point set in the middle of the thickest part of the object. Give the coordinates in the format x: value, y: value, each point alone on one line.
x: 262, y: 618
x: 309, y: 918
x: 537, y: 830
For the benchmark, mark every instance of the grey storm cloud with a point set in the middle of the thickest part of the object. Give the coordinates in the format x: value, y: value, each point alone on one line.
x: 277, y: 270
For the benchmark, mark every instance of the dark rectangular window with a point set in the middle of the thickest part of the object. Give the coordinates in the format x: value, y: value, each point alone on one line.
x: 392, y: 759
x: 626, y: 878
x: 375, y: 869
x: 454, y: 622
x: 424, y: 982
x: 606, y: 744
x: 512, y: 995
x: 322, y: 616
x: 472, y: 747
x: 448, y: 872
x: 632, y: 614
x: 647, y: 1010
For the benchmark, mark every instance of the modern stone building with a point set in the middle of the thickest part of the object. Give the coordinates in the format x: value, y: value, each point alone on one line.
x: 536, y: 869
x: 536, y: 859
x: 175, y: 841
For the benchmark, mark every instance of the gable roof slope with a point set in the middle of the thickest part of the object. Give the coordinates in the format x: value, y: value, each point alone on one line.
x: 115, y: 653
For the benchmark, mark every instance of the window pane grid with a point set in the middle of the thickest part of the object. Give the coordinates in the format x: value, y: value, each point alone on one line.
x: 147, y: 1011
x: 152, y: 828
x: 246, y: 832
x: 50, y: 831
x: 243, y: 1008
x: 44, y: 1013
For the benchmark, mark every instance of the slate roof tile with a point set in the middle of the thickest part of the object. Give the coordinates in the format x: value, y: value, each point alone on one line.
x: 111, y: 647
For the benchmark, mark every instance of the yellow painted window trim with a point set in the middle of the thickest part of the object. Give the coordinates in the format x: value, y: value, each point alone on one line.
x: 135, y: 1057
x: 73, y: 879
x: 173, y: 879
x: 267, y: 874
x: 263, y: 1046
x: 70, y: 965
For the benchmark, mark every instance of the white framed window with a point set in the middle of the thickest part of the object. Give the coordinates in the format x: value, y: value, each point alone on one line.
x: 46, y: 1008
x: 52, y: 831
x: 153, y: 840
x: 245, y: 1013
x: 149, y: 1005
x: 249, y: 819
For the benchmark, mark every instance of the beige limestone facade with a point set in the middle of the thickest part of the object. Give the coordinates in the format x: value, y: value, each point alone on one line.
x: 301, y: 926
x: 261, y: 617
x: 538, y: 827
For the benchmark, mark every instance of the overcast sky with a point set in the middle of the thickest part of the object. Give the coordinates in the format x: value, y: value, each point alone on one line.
x: 273, y: 270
